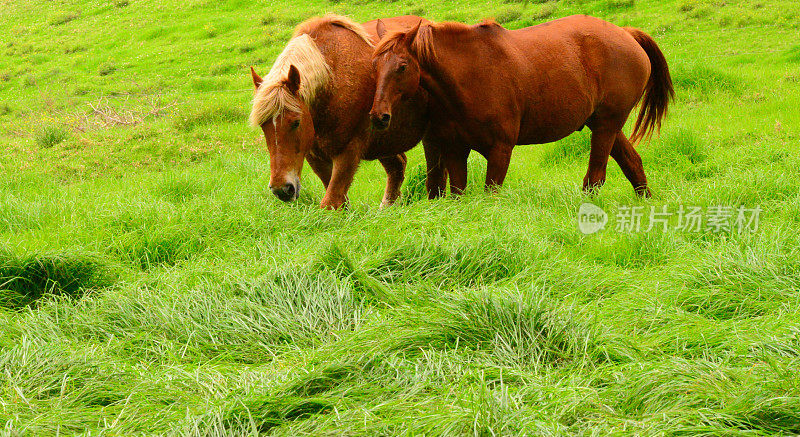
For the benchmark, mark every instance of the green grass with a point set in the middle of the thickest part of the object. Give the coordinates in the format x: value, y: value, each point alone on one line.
x: 151, y: 284
x: 49, y: 136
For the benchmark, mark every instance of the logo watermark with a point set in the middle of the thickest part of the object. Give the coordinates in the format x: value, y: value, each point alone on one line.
x: 591, y: 218
x: 629, y: 219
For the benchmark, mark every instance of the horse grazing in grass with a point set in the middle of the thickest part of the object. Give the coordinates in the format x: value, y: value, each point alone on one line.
x: 491, y: 89
x: 314, y: 105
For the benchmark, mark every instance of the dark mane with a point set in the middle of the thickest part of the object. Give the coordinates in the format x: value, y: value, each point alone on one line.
x: 388, y: 43
x: 423, y: 45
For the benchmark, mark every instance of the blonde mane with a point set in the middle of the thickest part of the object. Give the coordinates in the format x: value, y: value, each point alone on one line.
x: 312, y: 24
x: 272, y: 97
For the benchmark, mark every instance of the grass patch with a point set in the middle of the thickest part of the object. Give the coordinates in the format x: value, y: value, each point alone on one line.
x: 414, y: 188
x: 209, y: 84
x: 518, y: 330
x: 268, y: 19
x: 30, y: 80
x: 209, y: 115
x: 508, y: 14
x: 64, y: 18
x: 179, y: 188
x: 106, y: 68
x: 686, y: 143
x: 704, y: 80
x: 469, y: 263
x: 26, y: 280
x: 683, y: 152
x: 620, y: 4
x: 164, y: 247
x: 793, y: 54
x: 237, y: 321
x: 49, y: 136
x: 570, y: 149
x: 544, y: 11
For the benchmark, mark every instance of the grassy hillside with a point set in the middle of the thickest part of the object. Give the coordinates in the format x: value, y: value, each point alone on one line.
x: 150, y: 283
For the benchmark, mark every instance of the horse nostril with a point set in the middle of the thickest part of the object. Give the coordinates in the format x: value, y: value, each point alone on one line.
x: 286, y: 192
x: 380, y: 122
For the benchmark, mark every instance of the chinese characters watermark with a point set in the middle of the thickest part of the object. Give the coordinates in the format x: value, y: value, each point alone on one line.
x: 629, y: 219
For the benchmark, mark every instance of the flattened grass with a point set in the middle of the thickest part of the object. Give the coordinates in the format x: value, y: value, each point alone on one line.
x: 151, y: 284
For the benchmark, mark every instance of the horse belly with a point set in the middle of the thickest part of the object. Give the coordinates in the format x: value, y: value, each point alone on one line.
x: 556, y: 96
x: 553, y: 119
x: 391, y: 142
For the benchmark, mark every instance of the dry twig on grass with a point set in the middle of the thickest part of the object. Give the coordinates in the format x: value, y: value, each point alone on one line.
x: 104, y: 115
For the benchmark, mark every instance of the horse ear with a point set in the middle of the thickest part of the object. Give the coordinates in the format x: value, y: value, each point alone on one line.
x: 293, y: 80
x: 381, y: 29
x: 412, y: 34
x: 256, y: 78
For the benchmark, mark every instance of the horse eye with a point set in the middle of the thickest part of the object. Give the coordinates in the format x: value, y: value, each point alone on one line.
x: 295, y: 124
x: 401, y: 68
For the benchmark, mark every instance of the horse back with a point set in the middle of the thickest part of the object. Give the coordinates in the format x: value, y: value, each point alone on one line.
x: 580, y: 46
x: 575, y: 68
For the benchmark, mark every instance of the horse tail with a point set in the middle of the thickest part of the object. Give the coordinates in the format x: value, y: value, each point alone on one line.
x: 658, y: 91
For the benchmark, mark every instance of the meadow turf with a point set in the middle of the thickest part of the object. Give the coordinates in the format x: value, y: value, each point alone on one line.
x: 151, y: 284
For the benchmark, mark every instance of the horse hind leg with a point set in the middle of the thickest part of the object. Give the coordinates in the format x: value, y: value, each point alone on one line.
x: 497, y: 162
x: 395, y: 167
x: 602, y: 143
x: 631, y: 164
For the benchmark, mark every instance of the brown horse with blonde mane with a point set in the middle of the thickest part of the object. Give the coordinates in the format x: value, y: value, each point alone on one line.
x: 491, y: 89
x: 314, y: 106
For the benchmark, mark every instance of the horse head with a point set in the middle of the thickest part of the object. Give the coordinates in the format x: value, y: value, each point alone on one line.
x: 397, y: 71
x: 289, y: 134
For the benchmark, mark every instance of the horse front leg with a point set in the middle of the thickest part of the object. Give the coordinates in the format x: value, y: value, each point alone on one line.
x: 456, y: 162
x: 395, y: 167
x: 344, y: 168
x: 436, y: 180
x: 321, y: 167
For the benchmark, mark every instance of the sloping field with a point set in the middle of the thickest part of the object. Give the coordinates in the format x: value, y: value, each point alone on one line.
x: 151, y: 284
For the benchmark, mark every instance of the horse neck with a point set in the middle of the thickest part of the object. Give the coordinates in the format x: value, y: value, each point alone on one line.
x: 440, y: 93
x: 442, y: 85
x: 458, y: 46
x: 445, y: 85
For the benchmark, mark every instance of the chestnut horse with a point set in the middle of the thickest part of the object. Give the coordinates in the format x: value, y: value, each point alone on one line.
x: 314, y: 105
x: 491, y: 89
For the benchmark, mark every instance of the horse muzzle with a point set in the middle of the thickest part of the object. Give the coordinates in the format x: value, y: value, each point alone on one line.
x: 381, y: 121
x: 287, y: 192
